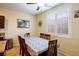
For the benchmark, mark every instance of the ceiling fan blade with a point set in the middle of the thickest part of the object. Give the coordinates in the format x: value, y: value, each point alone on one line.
x: 31, y: 3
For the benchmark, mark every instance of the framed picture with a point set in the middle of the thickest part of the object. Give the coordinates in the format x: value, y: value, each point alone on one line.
x: 23, y: 23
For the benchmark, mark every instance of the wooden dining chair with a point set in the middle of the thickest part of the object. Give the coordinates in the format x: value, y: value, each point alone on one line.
x: 26, y: 34
x: 21, y: 46
x: 25, y: 52
x: 45, y: 36
x: 42, y: 35
x: 52, y: 48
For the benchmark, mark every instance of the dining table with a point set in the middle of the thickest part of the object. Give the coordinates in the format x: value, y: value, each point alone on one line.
x: 36, y: 45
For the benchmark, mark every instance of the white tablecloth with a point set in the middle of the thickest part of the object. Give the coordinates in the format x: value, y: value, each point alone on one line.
x: 38, y: 45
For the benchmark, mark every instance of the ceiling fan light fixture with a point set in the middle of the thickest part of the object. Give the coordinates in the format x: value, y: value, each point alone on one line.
x: 38, y: 8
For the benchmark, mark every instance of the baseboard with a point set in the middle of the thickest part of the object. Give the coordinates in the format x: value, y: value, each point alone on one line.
x: 63, y: 53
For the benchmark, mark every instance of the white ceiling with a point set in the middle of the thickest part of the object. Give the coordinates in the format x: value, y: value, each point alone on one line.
x: 23, y: 7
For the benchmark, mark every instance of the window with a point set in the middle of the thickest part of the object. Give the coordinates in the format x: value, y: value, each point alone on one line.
x: 51, y: 24
x: 59, y: 22
x: 62, y: 23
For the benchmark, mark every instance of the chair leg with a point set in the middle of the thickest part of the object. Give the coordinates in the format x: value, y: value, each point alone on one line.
x: 23, y: 53
x: 20, y: 52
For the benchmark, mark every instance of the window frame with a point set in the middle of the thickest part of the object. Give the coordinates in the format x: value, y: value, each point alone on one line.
x: 70, y: 16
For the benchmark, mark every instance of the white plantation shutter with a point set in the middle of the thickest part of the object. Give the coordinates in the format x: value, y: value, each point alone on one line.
x: 51, y: 24
x: 60, y: 22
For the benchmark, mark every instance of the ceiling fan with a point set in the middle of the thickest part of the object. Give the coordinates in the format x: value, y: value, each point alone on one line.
x: 39, y: 5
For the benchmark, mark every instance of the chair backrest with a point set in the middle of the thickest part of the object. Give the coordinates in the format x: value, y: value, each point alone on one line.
x: 20, y: 41
x: 21, y: 45
x: 52, y: 48
x: 27, y: 34
x: 25, y: 52
x: 45, y: 36
x: 41, y: 35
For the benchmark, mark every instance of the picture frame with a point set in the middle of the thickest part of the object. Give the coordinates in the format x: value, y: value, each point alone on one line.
x: 23, y: 23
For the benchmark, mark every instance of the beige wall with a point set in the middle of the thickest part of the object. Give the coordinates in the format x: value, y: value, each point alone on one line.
x: 68, y: 46
x: 11, y: 30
